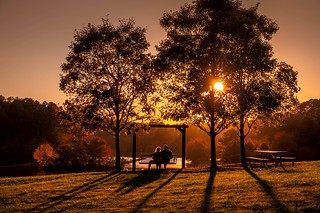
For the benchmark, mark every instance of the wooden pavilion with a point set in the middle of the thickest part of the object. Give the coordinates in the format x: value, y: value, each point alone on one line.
x: 182, y: 129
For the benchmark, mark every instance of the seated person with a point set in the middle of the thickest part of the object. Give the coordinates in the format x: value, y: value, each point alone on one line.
x: 156, y: 158
x: 166, y: 155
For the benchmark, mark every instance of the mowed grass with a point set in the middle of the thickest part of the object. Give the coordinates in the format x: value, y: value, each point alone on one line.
x: 288, y: 189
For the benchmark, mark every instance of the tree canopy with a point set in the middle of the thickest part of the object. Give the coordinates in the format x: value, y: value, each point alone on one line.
x: 107, y: 76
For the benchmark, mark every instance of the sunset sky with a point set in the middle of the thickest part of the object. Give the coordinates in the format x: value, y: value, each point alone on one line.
x: 35, y: 35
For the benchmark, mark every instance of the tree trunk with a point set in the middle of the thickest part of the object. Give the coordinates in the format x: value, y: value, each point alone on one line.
x: 213, y: 153
x: 242, y: 147
x: 117, y: 133
x: 213, y: 145
x: 118, y: 167
x: 241, y: 129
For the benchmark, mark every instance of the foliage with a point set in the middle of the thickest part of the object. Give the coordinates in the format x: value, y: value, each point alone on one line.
x: 260, y: 86
x: 188, y: 59
x: 198, y: 151
x: 192, y: 57
x: 220, y: 40
x: 107, y: 76
x: 76, y: 151
x: 231, y: 147
x: 45, y: 155
x: 300, y: 133
x: 24, y: 125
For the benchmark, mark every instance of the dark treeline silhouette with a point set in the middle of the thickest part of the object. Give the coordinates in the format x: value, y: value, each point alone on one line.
x: 24, y: 124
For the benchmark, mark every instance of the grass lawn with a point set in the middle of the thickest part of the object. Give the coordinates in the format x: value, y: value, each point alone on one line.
x: 288, y: 189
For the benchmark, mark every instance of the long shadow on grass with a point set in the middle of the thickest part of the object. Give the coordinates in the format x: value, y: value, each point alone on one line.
x: 143, y: 178
x: 276, y: 203
x: 143, y: 202
x: 208, y: 193
x: 56, y: 200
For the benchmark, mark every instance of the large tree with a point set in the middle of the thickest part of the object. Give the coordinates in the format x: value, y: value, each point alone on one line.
x: 191, y: 58
x: 220, y: 40
x: 261, y: 87
x: 107, y: 76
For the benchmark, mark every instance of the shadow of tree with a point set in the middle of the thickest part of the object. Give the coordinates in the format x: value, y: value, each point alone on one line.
x: 276, y: 203
x: 208, y: 193
x: 56, y: 200
x: 143, y: 178
x: 142, y: 203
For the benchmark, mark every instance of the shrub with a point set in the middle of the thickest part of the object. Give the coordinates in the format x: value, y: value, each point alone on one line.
x: 45, y: 155
x: 83, y: 150
x: 96, y: 149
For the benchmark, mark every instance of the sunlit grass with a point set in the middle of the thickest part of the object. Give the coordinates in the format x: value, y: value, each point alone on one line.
x: 295, y: 189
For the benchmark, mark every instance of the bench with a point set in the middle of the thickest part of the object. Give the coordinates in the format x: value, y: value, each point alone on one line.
x: 286, y: 159
x: 145, y: 159
x: 263, y: 161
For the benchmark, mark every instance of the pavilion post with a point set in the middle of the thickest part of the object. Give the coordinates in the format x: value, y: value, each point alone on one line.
x: 183, y: 134
x: 134, y: 145
x: 183, y: 147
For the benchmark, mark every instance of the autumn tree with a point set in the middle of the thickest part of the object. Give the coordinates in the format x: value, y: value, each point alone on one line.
x: 45, y: 155
x: 107, y: 77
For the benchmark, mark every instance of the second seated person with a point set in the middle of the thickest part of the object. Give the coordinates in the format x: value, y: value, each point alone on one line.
x: 166, y: 155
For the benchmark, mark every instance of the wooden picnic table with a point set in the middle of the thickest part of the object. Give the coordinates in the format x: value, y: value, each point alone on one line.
x: 275, y: 156
x: 271, y: 153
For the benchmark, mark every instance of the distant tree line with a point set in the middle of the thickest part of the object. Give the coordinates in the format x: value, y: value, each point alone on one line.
x: 24, y: 124
x: 31, y: 131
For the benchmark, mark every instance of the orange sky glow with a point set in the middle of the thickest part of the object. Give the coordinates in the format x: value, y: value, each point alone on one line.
x: 35, y: 35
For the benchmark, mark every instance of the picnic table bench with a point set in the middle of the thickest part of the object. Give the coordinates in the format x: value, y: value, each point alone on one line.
x: 286, y: 159
x: 145, y: 159
x: 271, y: 156
x: 263, y: 161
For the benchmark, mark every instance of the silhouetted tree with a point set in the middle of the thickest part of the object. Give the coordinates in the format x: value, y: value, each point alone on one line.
x: 222, y: 41
x: 260, y: 86
x: 107, y: 76
x: 191, y: 55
